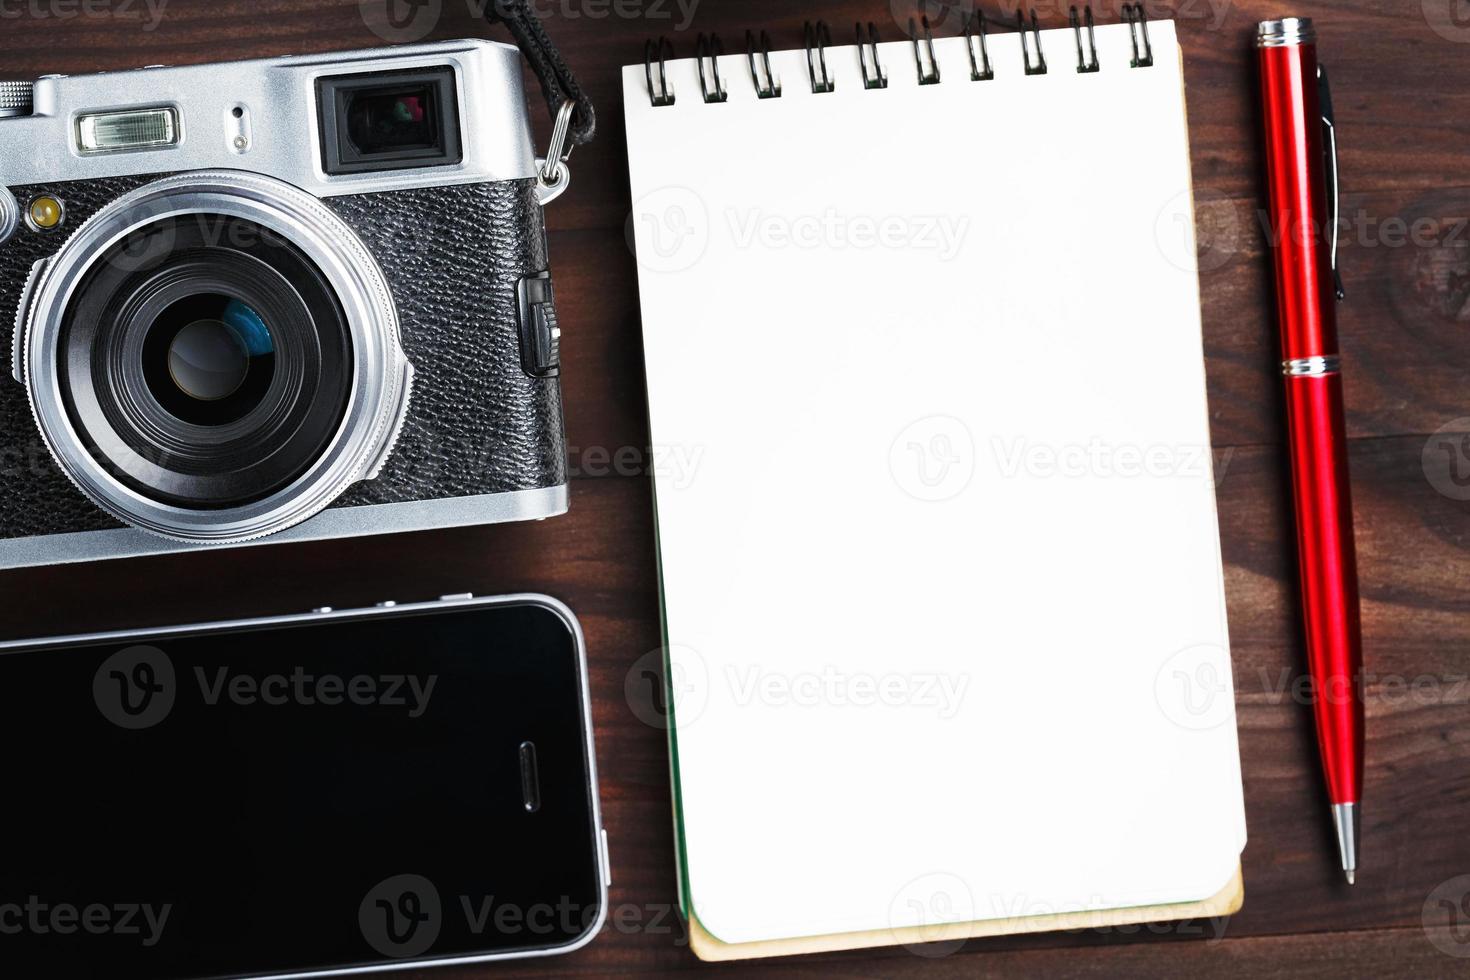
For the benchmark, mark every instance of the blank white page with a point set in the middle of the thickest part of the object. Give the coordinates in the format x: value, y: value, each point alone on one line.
x: 936, y: 509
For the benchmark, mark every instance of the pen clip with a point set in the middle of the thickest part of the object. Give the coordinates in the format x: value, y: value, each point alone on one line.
x: 1334, y: 191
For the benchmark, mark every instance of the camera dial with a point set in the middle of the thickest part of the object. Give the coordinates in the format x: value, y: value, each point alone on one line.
x: 16, y: 98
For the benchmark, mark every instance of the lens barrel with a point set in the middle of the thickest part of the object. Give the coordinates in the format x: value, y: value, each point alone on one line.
x: 120, y: 375
x: 215, y: 357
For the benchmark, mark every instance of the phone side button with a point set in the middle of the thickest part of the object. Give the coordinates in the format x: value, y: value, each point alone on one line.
x: 606, y: 861
x: 457, y: 597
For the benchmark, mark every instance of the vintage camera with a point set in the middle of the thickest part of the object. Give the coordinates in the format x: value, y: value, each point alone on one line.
x: 272, y: 300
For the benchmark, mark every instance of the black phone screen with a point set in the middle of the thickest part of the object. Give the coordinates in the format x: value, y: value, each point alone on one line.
x: 331, y: 792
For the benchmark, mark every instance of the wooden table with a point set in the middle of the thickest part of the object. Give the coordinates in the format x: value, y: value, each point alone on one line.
x: 1403, y: 104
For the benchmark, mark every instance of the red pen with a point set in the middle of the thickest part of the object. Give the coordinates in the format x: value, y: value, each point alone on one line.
x: 1301, y: 179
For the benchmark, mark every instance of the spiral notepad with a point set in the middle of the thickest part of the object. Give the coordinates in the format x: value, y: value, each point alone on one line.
x: 947, y: 645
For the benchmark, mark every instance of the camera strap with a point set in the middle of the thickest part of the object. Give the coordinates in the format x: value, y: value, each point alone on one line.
x: 570, y: 107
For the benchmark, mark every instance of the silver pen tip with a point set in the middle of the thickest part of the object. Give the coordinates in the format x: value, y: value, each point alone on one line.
x: 1345, y: 819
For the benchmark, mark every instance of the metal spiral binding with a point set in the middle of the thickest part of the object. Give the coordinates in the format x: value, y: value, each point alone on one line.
x: 1039, y: 68
x: 818, y: 37
x: 1087, y: 63
x: 931, y: 75
x: 980, y: 70
x: 709, y: 49
x: 772, y: 87
x: 1137, y: 20
x: 664, y: 94
x: 879, y: 78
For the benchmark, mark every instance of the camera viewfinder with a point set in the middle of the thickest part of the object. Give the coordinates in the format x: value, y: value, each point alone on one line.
x: 389, y: 121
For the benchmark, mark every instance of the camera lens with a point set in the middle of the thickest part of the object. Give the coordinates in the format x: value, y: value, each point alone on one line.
x: 215, y: 357
x: 207, y: 362
x: 209, y: 359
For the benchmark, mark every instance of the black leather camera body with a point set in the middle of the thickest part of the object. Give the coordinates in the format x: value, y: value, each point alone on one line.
x: 274, y: 300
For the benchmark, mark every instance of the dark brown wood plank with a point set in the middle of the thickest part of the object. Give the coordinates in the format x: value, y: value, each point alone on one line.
x: 1402, y: 97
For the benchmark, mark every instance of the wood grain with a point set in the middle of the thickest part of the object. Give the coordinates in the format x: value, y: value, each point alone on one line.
x: 1403, y: 103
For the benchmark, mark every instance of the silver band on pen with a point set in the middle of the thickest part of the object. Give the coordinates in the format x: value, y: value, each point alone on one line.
x: 1311, y: 367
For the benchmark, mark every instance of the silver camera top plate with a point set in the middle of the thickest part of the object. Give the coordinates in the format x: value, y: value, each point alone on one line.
x: 277, y: 130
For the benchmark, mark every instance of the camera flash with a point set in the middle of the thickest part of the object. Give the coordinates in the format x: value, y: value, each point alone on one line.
x: 137, y: 129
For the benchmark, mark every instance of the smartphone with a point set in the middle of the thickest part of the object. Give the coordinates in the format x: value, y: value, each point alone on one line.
x: 331, y: 793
